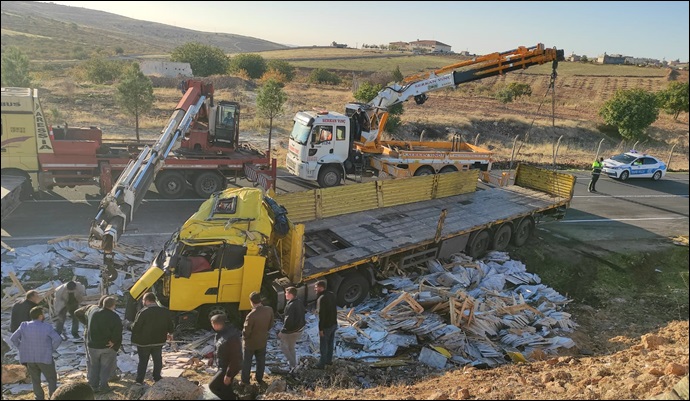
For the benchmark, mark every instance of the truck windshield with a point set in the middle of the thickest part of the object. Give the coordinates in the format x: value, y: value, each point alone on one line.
x: 300, y: 133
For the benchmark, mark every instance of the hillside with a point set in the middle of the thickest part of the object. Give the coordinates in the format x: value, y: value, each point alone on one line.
x: 50, y: 31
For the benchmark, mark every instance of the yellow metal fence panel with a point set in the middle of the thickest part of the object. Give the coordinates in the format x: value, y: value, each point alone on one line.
x: 301, y: 206
x: 552, y: 182
x: 348, y: 199
x: 457, y: 183
x: 408, y: 190
x: 328, y: 202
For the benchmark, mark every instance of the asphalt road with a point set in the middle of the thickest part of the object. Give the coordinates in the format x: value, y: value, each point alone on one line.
x: 630, y: 211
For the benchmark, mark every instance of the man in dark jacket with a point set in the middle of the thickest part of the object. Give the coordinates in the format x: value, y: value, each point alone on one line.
x: 21, y: 311
x: 328, y: 323
x: 103, y: 341
x: 228, y: 357
x: 255, y: 334
x: 293, y: 325
x: 152, y: 326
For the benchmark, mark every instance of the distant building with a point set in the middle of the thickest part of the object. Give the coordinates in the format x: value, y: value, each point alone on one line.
x: 399, y: 46
x: 338, y: 45
x: 166, y: 69
x: 611, y: 59
x: 432, y: 46
x: 574, y: 57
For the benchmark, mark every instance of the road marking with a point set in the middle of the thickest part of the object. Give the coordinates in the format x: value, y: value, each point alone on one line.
x: 631, y: 196
x: 616, y: 220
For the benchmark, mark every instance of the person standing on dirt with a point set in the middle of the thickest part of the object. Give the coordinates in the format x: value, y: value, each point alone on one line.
x: 328, y: 323
x: 293, y: 325
x: 255, y: 335
x: 152, y: 326
x: 68, y: 297
x: 228, y: 357
x: 21, y: 311
x: 103, y: 341
x: 36, y: 341
x: 596, y: 172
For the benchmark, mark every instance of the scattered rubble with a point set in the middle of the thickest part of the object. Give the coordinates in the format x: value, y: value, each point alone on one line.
x: 461, y: 312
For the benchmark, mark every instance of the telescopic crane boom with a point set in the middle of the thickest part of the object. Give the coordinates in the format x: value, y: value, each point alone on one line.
x: 417, y: 86
x: 117, y: 208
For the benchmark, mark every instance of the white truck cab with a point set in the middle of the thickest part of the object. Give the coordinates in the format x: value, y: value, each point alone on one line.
x: 319, y: 145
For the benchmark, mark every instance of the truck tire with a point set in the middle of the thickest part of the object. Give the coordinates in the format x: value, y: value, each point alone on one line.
x: 424, y: 170
x: 206, y: 312
x: 448, y: 169
x: 479, y: 244
x: 352, y: 290
x: 523, y: 231
x: 207, y: 183
x: 171, y: 184
x: 330, y: 176
x: 502, y: 237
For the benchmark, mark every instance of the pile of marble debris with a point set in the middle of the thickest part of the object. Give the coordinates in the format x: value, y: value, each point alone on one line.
x: 34, y: 263
x: 474, y: 312
x: 464, y: 312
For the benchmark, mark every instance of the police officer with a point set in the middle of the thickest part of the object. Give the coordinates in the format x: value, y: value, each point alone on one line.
x: 596, y: 172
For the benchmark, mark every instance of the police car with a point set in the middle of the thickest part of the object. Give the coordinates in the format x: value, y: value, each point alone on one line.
x: 634, y: 165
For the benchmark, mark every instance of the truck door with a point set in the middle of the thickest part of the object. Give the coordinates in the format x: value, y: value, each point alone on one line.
x: 240, y: 275
x: 322, y: 143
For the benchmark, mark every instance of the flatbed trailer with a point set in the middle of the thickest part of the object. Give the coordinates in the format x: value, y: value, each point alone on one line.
x: 397, y: 223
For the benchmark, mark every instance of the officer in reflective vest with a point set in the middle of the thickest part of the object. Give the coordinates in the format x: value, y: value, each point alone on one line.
x: 596, y: 172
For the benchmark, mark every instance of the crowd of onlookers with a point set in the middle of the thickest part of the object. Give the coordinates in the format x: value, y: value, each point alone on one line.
x: 235, y: 350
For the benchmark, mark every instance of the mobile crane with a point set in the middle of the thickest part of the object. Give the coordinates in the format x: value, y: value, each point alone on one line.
x: 326, y: 145
x: 198, y: 132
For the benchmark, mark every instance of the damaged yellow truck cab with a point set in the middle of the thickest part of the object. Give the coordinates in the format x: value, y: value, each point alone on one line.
x: 218, y: 255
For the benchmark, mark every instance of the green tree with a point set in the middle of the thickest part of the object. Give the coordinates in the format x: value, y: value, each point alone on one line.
x: 269, y: 103
x: 367, y: 92
x: 584, y: 59
x: 135, y: 93
x: 99, y: 70
x: 283, y: 67
x: 397, y: 75
x: 321, y: 76
x: 513, y: 91
x: 205, y: 60
x: 631, y: 111
x: 15, y: 68
x: 674, y: 99
x: 254, y: 64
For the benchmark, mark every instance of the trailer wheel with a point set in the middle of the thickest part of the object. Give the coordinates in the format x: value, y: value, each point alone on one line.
x: 207, y: 183
x: 171, y: 184
x: 479, y: 244
x: 448, y: 169
x: 502, y: 237
x: 352, y: 290
x: 329, y: 176
x: 424, y: 170
x: 523, y: 231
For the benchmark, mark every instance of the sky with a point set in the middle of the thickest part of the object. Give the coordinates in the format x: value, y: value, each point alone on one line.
x: 652, y: 29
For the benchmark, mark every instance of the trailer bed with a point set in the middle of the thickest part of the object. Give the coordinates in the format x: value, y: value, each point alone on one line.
x: 342, y: 240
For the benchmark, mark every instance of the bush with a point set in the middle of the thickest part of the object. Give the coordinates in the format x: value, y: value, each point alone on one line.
x: 321, y: 76
x: 99, y: 70
x: 282, y: 66
x: 253, y: 64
